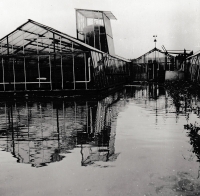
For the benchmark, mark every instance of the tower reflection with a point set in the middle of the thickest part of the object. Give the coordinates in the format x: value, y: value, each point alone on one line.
x: 97, y: 141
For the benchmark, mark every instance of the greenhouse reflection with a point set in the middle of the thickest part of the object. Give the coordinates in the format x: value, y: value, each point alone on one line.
x: 162, y: 98
x: 39, y: 133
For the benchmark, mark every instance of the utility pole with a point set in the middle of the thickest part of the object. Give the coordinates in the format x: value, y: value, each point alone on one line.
x: 155, y: 44
x: 155, y: 54
x: 155, y: 39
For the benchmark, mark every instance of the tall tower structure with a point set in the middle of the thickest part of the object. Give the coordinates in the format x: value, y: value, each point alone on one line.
x: 94, y: 28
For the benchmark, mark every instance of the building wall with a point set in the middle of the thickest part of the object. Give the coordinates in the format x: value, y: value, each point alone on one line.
x: 86, y: 70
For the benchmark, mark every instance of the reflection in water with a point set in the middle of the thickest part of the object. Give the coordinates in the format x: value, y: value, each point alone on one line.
x: 38, y: 133
x: 100, y: 134
x: 173, y: 100
x: 187, y: 101
x: 194, y: 136
x: 184, y: 99
x: 41, y: 132
x: 145, y: 124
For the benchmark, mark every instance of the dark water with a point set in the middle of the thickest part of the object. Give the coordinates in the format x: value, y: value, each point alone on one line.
x: 139, y: 141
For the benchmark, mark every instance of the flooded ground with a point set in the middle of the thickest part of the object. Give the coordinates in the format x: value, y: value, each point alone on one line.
x: 139, y: 141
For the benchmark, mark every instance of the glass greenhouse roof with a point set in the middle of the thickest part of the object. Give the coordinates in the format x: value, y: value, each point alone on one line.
x: 153, y: 50
x: 96, y: 14
x: 35, y: 38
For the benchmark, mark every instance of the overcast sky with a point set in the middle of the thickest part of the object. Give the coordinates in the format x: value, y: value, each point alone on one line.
x: 175, y: 22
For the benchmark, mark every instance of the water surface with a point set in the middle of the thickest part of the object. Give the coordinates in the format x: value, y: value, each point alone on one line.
x: 134, y: 142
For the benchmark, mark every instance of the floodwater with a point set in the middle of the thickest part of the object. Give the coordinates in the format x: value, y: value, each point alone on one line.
x: 138, y: 141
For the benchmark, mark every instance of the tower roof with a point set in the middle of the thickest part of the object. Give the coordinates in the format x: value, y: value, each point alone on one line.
x: 96, y: 14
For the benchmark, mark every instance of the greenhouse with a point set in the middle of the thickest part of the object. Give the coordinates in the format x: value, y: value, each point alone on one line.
x: 35, y: 57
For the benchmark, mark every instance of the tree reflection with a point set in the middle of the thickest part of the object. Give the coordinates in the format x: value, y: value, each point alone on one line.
x: 194, y: 136
x: 185, y: 97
